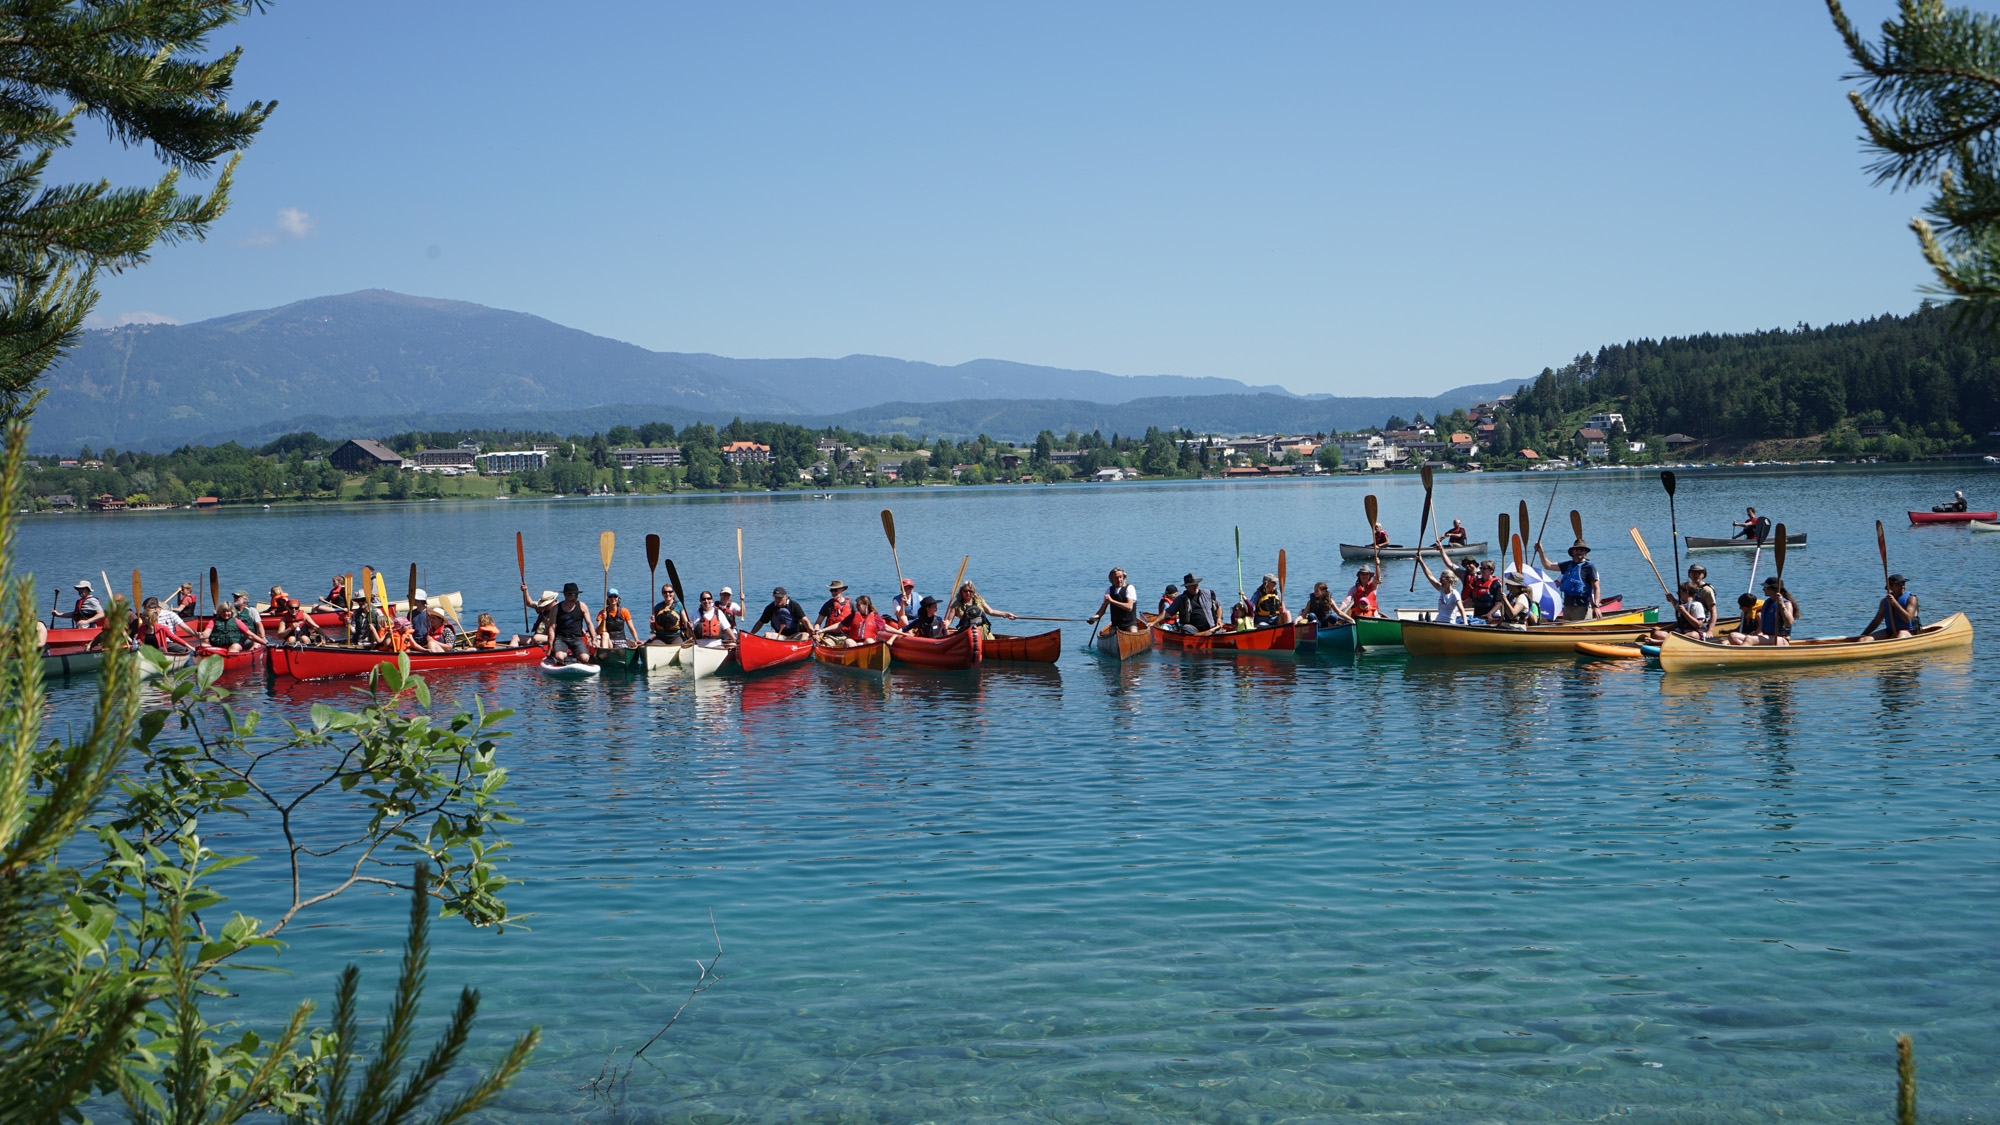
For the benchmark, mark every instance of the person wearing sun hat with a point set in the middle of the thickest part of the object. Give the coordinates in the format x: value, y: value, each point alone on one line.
x: 88, y: 613
x: 833, y: 614
x: 1362, y: 599
x: 1579, y: 585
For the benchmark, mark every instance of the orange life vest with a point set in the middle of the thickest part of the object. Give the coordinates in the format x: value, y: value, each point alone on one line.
x: 708, y: 628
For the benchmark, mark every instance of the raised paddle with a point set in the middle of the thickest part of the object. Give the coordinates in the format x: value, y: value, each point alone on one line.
x: 413, y: 587
x: 1520, y: 558
x: 136, y: 590
x: 1369, y: 505
x: 1423, y: 521
x: 1524, y: 521
x: 652, y: 566
x: 1882, y: 545
x: 888, y: 529
x: 1239, y: 563
x: 605, y: 542
x: 1668, y: 481
x: 56, y: 603
x: 214, y: 591
x: 1550, y: 507
x: 1779, y: 550
x: 740, y: 593
x: 1576, y: 523
x: 1755, y: 558
x: 1641, y: 541
x: 1506, y: 524
x: 674, y: 577
x: 521, y: 561
x: 1281, y: 574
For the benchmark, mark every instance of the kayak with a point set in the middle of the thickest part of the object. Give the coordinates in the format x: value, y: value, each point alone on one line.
x: 756, y: 654
x: 1699, y: 543
x: 1681, y: 654
x: 567, y: 671
x: 871, y: 658
x: 955, y: 653
x: 1042, y: 648
x: 1953, y: 517
x: 1271, y: 638
x: 1353, y: 551
x: 1112, y: 641
x: 326, y: 662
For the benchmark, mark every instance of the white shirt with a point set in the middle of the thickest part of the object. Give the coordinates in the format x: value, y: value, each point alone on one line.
x: 733, y: 608
x: 712, y: 614
x: 1451, y: 607
x: 171, y: 620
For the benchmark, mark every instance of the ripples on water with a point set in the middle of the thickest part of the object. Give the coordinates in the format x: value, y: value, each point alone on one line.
x: 1271, y: 889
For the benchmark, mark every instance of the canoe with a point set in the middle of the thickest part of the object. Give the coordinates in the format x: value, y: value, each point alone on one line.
x: 1680, y: 654
x: 1377, y: 632
x: 1337, y: 638
x: 1306, y: 639
x: 1985, y: 525
x: 71, y: 660
x: 232, y: 661
x: 757, y: 654
x: 66, y: 637
x: 1609, y: 651
x: 1610, y: 609
x: 1352, y: 551
x: 1953, y: 517
x: 703, y: 660
x: 1431, y: 638
x: 1113, y: 642
x: 871, y: 658
x: 1271, y: 638
x: 1700, y: 543
x: 326, y: 662
x: 1042, y: 648
x: 567, y: 671
x: 325, y: 619
x: 955, y: 653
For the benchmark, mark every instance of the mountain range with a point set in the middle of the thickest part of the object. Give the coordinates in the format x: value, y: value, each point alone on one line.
x: 374, y: 362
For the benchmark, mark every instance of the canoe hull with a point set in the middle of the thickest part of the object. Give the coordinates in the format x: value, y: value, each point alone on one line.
x: 759, y: 654
x: 568, y: 671
x: 71, y: 660
x: 1042, y: 648
x: 1699, y: 543
x: 1271, y: 638
x: 1985, y: 525
x: 329, y: 662
x: 1377, y: 632
x: 956, y: 653
x: 1124, y: 646
x: 1353, y: 551
x: 868, y: 658
x: 1953, y: 517
x: 1306, y: 636
x: 1679, y: 654
x: 1431, y: 638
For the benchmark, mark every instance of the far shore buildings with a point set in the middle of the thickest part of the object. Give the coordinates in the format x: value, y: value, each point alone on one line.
x: 363, y: 455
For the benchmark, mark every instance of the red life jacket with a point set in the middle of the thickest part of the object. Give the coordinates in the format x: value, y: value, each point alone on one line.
x: 864, y: 626
x: 1364, y: 602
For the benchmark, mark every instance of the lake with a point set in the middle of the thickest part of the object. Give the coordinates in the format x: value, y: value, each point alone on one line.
x: 1257, y: 889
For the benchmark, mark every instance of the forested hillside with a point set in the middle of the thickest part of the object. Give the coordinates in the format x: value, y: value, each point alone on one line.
x: 1933, y: 386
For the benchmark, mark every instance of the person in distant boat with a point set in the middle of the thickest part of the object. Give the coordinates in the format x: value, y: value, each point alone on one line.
x: 1482, y: 589
x: 183, y: 601
x: 1380, y: 537
x: 1514, y: 607
x: 1957, y: 504
x: 833, y: 612
x: 969, y: 610
x: 1451, y: 603
x: 670, y: 621
x: 1581, y: 590
x: 1896, y: 615
x: 1455, y: 535
x: 1267, y: 605
x: 711, y: 625
x: 786, y: 617
x: 1166, y: 601
x: 904, y: 605
x: 725, y: 601
x: 571, y: 615
x: 1321, y: 609
x: 1363, y: 598
x: 614, y: 623
x: 1753, y: 526
x: 1195, y: 609
x: 1121, y: 602
x: 88, y: 612
x: 926, y: 623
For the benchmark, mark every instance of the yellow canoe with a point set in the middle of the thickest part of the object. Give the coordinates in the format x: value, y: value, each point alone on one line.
x: 1429, y: 638
x: 1679, y: 654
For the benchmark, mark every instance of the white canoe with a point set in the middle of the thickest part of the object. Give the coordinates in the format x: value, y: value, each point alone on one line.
x: 568, y: 671
x: 1985, y: 525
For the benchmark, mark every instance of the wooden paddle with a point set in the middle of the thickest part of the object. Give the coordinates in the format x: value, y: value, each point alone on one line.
x: 1668, y: 481
x: 605, y: 542
x: 137, y: 590
x: 1239, y: 563
x: 413, y: 587
x: 56, y: 604
x: 888, y: 529
x: 1779, y: 549
x: 674, y: 577
x: 1368, y: 504
x: 1882, y: 545
x: 1671, y: 600
x: 652, y: 566
x: 1576, y: 523
x: 214, y: 591
x: 1520, y: 558
x: 1423, y: 521
x: 740, y: 593
x: 1506, y: 522
x: 521, y: 561
x: 1281, y: 575
x: 1524, y: 521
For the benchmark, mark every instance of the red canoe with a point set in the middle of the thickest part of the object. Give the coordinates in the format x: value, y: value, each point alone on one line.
x: 326, y: 662
x: 955, y: 653
x: 755, y: 653
x: 1271, y: 638
x: 1042, y: 648
x: 232, y: 661
x: 1953, y: 517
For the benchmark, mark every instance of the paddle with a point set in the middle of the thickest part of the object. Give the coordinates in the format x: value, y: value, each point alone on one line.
x: 1780, y: 551
x: 1524, y: 521
x: 214, y: 591
x: 1882, y: 545
x: 1423, y: 521
x: 1576, y: 523
x: 1506, y: 523
x: 1551, y: 506
x: 652, y: 565
x: 606, y: 540
x: 1281, y: 575
x: 136, y: 590
x: 1668, y: 480
x: 888, y: 529
x: 1520, y: 558
x: 412, y: 598
x: 740, y: 593
x: 1756, y: 557
x: 521, y: 561
x: 56, y: 604
x: 1369, y: 504
x: 1239, y: 563
x: 1641, y: 541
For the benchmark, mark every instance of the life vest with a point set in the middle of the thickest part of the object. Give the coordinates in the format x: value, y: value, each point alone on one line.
x: 931, y: 627
x: 1575, y: 582
x: 1364, y: 601
x: 1269, y: 605
x: 488, y: 636
x: 708, y: 626
x: 864, y: 627
x: 616, y: 624
x: 1120, y: 617
x: 400, y: 636
x: 1381, y: 539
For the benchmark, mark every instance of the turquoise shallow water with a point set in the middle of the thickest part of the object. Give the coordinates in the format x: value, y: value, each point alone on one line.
x: 1194, y: 889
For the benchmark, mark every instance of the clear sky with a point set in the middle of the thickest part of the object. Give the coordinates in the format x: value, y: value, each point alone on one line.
x: 1343, y: 197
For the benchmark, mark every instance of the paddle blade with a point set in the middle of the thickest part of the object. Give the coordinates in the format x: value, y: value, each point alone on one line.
x: 1882, y: 545
x: 214, y: 588
x: 674, y: 576
x: 1668, y: 481
x: 1576, y: 523
x: 888, y: 529
x: 1505, y: 521
x: 605, y: 542
x: 1373, y: 508
x: 1520, y: 557
x: 653, y: 550
x: 1641, y: 541
x: 1525, y: 537
x: 1281, y: 572
x: 521, y: 556
x: 1780, y: 549
x: 136, y: 589
x: 413, y: 584
x: 1424, y: 471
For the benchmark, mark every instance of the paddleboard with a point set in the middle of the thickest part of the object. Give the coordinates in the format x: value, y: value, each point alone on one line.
x: 568, y: 671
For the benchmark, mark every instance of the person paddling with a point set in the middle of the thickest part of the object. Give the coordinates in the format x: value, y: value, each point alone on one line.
x: 1195, y: 610
x: 1957, y: 504
x: 1456, y: 535
x: 183, y: 601
x: 1753, y: 526
x: 1378, y: 536
x: 1121, y: 601
x: 1896, y: 614
x: 571, y: 616
x: 88, y: 612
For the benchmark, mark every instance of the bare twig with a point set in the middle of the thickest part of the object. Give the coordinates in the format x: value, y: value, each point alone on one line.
x: 609, y: 1077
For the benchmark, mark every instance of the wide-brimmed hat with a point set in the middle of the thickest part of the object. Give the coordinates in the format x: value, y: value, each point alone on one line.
x: 836, y: 586
x: 547, y: 597
x: 571, y: 588
x: 1580, y: 545
x: 1365, y: 569
x: 82, y: 584
x: 928, y: 602
x: 1189, y: 580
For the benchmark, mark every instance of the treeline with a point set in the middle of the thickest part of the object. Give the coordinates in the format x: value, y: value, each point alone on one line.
x: 291, y: 466
x: 1929, y: 386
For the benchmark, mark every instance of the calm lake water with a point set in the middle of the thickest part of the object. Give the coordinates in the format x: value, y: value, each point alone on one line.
x: 1280, y: 889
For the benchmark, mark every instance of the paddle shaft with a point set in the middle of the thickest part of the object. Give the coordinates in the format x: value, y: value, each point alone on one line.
x: 1368, y: 504
x: 741, y: 594
x: 1668, y: 481
x: 1545, y: 514
x: 521, y: 561
x: 56, y: 603
x: 1423, y: 523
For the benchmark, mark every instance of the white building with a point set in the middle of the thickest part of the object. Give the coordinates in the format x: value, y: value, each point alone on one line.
x: 1606, y: 421
x: 648, y: 455
x: 514, y: 461
x: 1367, y: 451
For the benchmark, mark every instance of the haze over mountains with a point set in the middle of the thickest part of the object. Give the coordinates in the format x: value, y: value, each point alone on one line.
x: 375, y: 362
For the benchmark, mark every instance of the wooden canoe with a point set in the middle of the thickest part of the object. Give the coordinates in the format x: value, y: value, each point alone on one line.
x: 1122, y: 645
x: 955, y: 653
x: 757, y: 654
x: 1352, y: 551
x: 1042, y: 648
x: 327, y: 662
x: 1271, y: 638
x: 1681, y: 654
x: 1952, y: 517
x: 1432, y: 638
x: 1700, y: 543
x: 871, y: 658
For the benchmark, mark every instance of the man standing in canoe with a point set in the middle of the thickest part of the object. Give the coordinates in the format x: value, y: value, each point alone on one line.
x: 1579, y: 585
x: 1361, y: 597
x: 1121, y: 601
x: 88, y: 612
x: 571, y: 615
x: 1896, y: 614
x: 786, y: 617
x: 1195, y: 610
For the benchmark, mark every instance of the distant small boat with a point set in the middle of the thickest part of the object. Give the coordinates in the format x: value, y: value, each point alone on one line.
x: 1398, y: 551
x: 1985, y: 525
x: 1953, y: 517
x: 1699, y: 543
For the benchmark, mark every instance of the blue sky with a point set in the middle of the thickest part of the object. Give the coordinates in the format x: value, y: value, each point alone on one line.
x: 1337, y: 197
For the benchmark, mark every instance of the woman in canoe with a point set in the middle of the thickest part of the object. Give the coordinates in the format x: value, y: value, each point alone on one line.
x: 1121, y: 601
x: 1451, y: 604
x: 183, y: 601
x: 670, y: 621
x: 1514, y: 607
x: 969, y: 610
x: 614, y: 623
x: 926, y: 624
x: 1896, y: 614
x: 711, y: 623
x: 1321, y: 609
x: 863, y: 625
x: 1267, y: 605
x: 1363, y: 596
x: 155, y: 630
